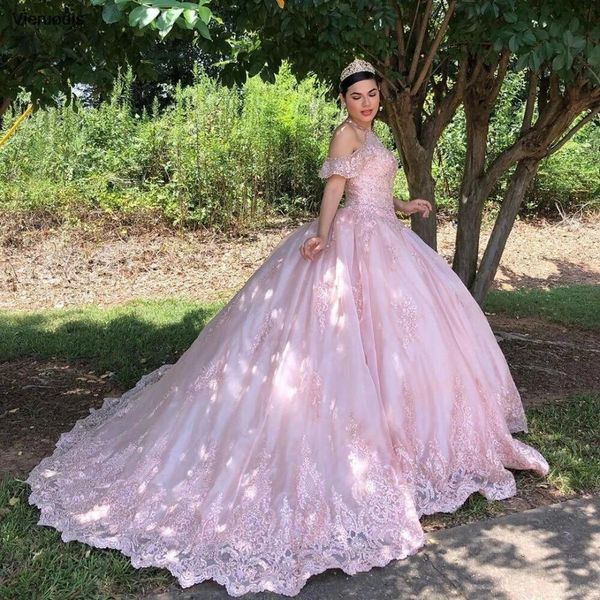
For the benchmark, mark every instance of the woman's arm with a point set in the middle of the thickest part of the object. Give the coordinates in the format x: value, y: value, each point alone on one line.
x: 400, y: 205
x: 419, y: 205
x: 332, y: 194
x: 343, y: 143
x: 342, y: 147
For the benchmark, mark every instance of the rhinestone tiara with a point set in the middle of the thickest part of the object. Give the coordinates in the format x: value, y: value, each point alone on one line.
x: 356, y: 66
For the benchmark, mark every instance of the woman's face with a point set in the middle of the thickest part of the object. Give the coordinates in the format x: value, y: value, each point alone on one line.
x: 362, y: 101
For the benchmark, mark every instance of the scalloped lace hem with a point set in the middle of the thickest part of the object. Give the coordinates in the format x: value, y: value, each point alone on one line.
x: 274, y: 579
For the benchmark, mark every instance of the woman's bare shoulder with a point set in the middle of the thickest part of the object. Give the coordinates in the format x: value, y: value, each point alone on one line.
x: 344, y: 141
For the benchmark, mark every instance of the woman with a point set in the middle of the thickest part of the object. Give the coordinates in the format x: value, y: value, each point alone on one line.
x: 352, y: 385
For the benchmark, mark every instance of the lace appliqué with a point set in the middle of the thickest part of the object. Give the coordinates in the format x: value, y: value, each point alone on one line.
x: 346, y: 166
x: 357, y: 295
x: 116, y: 406
x: 209, y: 375
x: 444, y: 478
x: 261, y: 542
x: 405, y: 311
x: 394, y: 254
x: 311, y: 385
x: 265, y: 329
x: 258, y: 543
x: 323, y: 301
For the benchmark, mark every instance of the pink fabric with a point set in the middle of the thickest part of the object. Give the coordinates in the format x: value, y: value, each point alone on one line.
x: 312, y: 422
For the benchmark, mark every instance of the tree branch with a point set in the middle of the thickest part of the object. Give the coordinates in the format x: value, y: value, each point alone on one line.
x: 543, y: 93
x: 554, y: 88
x: 500, y: 75
x: 414, y: 22
x: 476, y: 71
x: 446, y: 107
x: 589, y: 117
x: 381, y: 67
x: 419, y: 42
x: 530, y: 104
x: 434, y: 48
x: 400, y: 40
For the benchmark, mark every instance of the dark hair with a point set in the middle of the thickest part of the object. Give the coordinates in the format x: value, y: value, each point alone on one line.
x: 352, y: 79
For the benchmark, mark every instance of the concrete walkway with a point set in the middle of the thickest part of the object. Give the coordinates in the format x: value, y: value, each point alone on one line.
x: 548, y: 553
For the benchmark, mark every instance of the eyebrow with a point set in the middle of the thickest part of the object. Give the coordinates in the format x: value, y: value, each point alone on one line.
x: 371, y: 90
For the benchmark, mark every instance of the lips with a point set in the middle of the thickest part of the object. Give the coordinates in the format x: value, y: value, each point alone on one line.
x: 366, y: 113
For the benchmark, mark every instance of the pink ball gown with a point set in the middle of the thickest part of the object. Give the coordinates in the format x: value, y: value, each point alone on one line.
x: 315, y: 418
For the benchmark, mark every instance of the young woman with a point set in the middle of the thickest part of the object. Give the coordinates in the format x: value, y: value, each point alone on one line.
x: 352, y: 385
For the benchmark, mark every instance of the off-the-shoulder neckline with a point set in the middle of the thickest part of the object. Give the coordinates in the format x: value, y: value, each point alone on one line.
x: 370, y: 131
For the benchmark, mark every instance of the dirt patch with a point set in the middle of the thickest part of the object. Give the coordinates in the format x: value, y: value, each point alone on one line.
x: 39, y: 400
x: 548, y: 361
x: 61, y: 268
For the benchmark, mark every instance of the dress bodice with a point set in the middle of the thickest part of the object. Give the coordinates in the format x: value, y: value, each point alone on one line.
x: 370, y: 172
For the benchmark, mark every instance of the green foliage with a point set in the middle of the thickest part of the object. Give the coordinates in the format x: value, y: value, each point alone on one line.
x: 45, y: 47
x: 321, y: 37
x: 283, y: 136
x: 218, y: 157
x: 160, y: 15
x: 570, y: 178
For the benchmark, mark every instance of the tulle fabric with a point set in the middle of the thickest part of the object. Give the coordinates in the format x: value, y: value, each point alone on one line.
x: 311, y: 423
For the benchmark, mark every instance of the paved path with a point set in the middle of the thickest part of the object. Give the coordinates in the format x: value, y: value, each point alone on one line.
x: 548, y: 553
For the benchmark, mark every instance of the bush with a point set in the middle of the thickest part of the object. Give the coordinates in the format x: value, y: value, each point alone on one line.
x: 217, y: 157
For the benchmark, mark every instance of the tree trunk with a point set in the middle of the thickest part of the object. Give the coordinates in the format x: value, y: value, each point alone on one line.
x: 421, y: 184
x: 417, y: 160
x: 472, y: 197
x: 519, y: 182
x: 479, y: 100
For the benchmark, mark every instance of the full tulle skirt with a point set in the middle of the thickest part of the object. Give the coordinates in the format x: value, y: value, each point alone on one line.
x: 314, y: 419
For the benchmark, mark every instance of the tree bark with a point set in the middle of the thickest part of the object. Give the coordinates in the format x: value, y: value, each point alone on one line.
x: 421, y: 184
x: 535, y: 141
x: 415, y: 126
x: 519, y: 183
x: 471, y: 199
x: 416, y: 139
x: 484, y: 82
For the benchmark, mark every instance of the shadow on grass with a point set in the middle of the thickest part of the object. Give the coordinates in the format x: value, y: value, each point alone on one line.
x: 572, y: 305
x: 129, y: 340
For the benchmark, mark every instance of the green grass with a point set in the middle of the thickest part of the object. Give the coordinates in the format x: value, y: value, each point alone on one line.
x: 567, y: 433
x: 129, y: 340
x: 571, y: 305
x: 35, y: 564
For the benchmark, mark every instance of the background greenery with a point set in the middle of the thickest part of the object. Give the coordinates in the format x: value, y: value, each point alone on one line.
x: 229, y: 157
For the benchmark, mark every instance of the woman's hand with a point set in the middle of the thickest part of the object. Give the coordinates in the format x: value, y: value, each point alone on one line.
x: 418, y: 205
x: 312, y: 247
